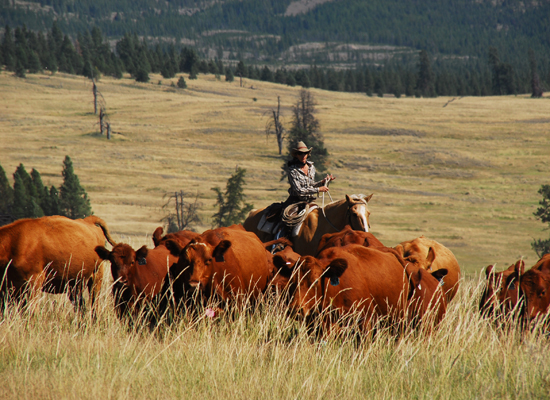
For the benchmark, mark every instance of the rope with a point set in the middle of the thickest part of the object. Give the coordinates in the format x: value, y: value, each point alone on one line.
x: 291, y: 215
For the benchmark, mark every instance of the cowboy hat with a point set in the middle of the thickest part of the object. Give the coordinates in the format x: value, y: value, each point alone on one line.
x: 301, y: 148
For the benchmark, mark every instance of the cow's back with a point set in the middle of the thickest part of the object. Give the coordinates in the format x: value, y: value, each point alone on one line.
x: 31, y: 244
x: 444, y: 259
x: 372, y: 277
x: 245, y: 260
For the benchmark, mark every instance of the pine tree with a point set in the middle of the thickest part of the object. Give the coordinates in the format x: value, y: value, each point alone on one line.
x: 305, y: 127
x: 542, y: 246
x: 74, y: 202
x: 20, y: 198
x: 41, y: 192
x: 181, y: 83
x: 52, y: 203
x: 232, y: 208
x: 425, y: 83
x: 229, y: 77
x: 6, y: 194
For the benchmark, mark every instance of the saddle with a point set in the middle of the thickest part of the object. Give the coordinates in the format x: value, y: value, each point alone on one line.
x: 276, y: 217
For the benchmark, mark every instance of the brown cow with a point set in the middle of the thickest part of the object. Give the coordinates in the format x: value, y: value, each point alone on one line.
x: 493, y: 295
x: 348, y: 236
x: 532, y: 288
x: 431, y: 256
x: 53, y: 254
x: 363, y: 279
x: 138, y: 275
x: 226, y: 262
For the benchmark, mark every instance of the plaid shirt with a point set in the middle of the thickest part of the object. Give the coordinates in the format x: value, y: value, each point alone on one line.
x: 302, y: 185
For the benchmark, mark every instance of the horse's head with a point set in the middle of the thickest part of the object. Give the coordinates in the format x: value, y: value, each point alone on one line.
x: 358, y: 211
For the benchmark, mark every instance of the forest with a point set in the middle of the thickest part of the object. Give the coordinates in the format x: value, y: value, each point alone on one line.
x: 24, y: 51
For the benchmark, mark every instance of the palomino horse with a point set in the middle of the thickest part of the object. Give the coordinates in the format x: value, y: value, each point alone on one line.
x: 353, y: 211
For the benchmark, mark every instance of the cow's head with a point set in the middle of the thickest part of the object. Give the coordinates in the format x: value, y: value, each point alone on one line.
x: 124, y: 259
x: 200, y: 258
x: 413, y: 254
x: 358, y: 211
x: 307, y: 281
x: 509, y: 293
x: 494, y: 285
x: 426, y: 294
x: 535, y: 290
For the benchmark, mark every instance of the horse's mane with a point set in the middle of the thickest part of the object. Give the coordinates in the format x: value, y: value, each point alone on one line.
x: 358, y: 197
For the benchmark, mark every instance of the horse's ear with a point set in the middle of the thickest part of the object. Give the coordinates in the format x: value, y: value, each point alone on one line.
x: 367, y: 199
x: 348, y: 199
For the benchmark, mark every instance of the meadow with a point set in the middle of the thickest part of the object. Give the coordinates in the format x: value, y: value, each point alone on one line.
x: 462, y: 171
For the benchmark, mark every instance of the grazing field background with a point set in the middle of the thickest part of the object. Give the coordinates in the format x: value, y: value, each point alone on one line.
x: 462, y: 171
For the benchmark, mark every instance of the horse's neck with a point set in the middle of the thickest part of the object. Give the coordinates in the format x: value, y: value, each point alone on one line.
x: 336, y: 213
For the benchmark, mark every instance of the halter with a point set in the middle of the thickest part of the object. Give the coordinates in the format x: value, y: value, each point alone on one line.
x: 348, y: 216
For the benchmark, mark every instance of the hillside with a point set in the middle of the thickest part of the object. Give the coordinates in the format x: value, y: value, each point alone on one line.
x: 462, y: 171
x: 275, y: 31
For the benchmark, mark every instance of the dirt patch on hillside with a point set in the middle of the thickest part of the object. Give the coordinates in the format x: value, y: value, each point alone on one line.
x: 303, y: 6
x: 388, y: 132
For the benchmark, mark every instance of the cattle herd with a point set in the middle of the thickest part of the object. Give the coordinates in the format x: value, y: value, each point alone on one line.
x: 351, y: 272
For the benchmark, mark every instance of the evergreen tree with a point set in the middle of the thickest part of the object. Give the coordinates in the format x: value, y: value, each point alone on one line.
x: 229, y: 77
x: 194, y: 72
x: 20, y: 69
x: 8, y: 50
x: 6, y: 194
x: 425, y: 83
x: 181, y: 83
x: 267, y: 75
x: 542, y: 246
x: 34, y: 63
x: 21, y: 199
x: 369, y: 83
x: 41, y: 192
x: 232, y: 208
x: 74, y: 202
x: 305, y: 127
x: 536, y: 87
x: 52, y: 205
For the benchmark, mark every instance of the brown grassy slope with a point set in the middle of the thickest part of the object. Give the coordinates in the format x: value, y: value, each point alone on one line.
x: 466, y: 174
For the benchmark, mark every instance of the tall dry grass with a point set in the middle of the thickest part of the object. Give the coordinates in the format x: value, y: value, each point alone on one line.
x: 54, y: 352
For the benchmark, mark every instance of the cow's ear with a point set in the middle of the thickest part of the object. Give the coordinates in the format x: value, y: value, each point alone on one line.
x: 489, y: 270
x: 415, y: 277
x: 519, y: 267
x: 157, y: 235
x: 335, y: 270
x: 220, y: 250
x: 141, y: 255
x: 430, y: 258
x: 102, y: 252
x: 173, y: 246
x: 284, y: 267
x: 440, y: 274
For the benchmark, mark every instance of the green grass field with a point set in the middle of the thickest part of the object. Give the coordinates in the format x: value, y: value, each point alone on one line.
x: 463, y: 172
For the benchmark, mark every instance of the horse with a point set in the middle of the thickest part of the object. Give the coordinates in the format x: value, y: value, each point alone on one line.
x: 353, y: 211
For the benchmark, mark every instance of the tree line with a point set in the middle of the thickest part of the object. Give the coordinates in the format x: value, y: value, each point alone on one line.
x: 24, y: 51
x: 30, y: 198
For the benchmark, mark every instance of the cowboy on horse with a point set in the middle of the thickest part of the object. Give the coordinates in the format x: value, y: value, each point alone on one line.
x: 301, y: 177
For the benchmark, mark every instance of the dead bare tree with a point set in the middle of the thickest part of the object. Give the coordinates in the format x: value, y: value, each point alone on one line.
x: 275, y: 126
x: 186, y: 212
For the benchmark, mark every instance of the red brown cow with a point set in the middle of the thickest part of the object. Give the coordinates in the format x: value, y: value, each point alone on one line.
x: 348, y: 236
x: 227, y: 262
x: 363, y: 279
x: 53, y: 254
x: 138, y: 275
x: 494, y: 292
x: 431, y: 256
x: 533, y: 288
